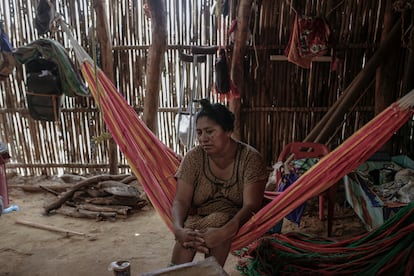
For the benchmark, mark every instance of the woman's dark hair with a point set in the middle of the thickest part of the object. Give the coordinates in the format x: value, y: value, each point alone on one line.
x: 217, y: 113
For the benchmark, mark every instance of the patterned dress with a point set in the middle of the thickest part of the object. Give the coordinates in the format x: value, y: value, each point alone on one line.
x: 216, y: 201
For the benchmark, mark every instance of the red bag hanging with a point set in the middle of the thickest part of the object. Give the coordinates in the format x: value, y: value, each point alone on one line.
x: 313, y: 34
x: 309, y: 38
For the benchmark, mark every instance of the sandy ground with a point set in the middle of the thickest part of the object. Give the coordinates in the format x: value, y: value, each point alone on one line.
x: 142, y: 239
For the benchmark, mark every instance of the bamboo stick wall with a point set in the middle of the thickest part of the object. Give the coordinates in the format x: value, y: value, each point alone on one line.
x: 281, y: 103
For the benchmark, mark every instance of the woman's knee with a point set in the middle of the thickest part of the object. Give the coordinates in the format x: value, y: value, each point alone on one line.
x: 182, y: 255
x: 220, y: 253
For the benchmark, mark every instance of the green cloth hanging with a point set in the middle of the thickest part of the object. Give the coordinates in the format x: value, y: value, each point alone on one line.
x: 51, y: 50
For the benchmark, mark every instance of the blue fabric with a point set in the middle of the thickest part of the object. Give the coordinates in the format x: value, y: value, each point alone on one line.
x: 372, y: 197
x: 5, y: 45
x: 287, y: 180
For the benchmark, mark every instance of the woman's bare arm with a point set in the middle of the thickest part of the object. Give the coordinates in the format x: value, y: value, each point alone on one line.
x: 188, y: 238
x: 182, y: 203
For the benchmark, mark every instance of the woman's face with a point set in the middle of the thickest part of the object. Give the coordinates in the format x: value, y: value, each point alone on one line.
x: 211, y: 135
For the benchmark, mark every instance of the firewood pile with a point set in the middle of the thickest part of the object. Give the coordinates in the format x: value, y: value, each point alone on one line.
x: 100, y: 197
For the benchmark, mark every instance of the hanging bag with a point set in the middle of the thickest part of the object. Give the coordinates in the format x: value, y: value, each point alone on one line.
x: 44, y: 92
x: 310, y: 37
x: 314, y: 33
x: 222, y: 83
x: 45, y: 14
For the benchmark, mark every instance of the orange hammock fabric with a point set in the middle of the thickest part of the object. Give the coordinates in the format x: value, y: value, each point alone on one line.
x: 154, y: 164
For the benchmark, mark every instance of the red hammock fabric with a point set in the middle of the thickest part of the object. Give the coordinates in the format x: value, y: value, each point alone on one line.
x: 154, y: 164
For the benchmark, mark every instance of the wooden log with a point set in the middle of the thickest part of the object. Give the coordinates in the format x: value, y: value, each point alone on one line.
x: 80, y: 213
x: 118, y: 188
x: 41, y: 188
x: 83, y: 184
x: 50, y: 228
x: 128, y: 179
x: 97, y: 214
x: 136, y: 203
x: 49, y: 190
x: 94, y: 192
x: 72, y: 212
x: 121, y: 210
x: 72, y: 178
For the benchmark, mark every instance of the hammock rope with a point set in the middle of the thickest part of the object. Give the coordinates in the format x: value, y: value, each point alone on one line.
x: 154, y: 164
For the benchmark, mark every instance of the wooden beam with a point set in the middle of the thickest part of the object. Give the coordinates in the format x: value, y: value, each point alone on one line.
x: 386, y: 79
x: 315, y: 59
x: 237, y: 68
x: 49, y: 228
x: 408, y: 80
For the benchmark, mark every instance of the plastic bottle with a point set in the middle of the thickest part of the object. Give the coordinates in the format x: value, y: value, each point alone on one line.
x: 10, y: 209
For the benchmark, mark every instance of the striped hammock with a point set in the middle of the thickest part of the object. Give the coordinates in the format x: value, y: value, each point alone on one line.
x: 154, y: 164
x: 387, y: 250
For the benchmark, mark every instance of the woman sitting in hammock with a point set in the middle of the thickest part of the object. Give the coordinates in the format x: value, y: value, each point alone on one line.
x: 220, y: 185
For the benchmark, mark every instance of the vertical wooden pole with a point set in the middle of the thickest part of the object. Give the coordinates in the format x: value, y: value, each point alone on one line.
x: 237, y: 70
x: 105, y: 42
x: 386, y: 79
x: 408, y: 80
x: 155, y: 62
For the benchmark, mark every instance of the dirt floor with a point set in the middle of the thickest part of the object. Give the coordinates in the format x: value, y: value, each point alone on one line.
x: 142, y: 238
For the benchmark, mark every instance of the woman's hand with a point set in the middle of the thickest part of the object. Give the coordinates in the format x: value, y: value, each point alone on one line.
x: 214, y: 237
x: 190, y: 239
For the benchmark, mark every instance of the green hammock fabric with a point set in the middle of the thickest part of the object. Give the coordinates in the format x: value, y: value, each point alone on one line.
x: 51, y: 50
x: 387, y: 250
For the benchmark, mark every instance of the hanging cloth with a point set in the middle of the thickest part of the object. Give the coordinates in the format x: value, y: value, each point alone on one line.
x: 5, y: 45
x: 7, y: 61
x: 309, y: 38
x: 287, y: 180
x: 51, y: 50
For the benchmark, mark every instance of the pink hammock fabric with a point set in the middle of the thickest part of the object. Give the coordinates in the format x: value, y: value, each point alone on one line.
x: 154, y: 164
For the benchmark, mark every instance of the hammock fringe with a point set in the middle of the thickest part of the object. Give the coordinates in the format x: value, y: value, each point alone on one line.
x: 407, y: 101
